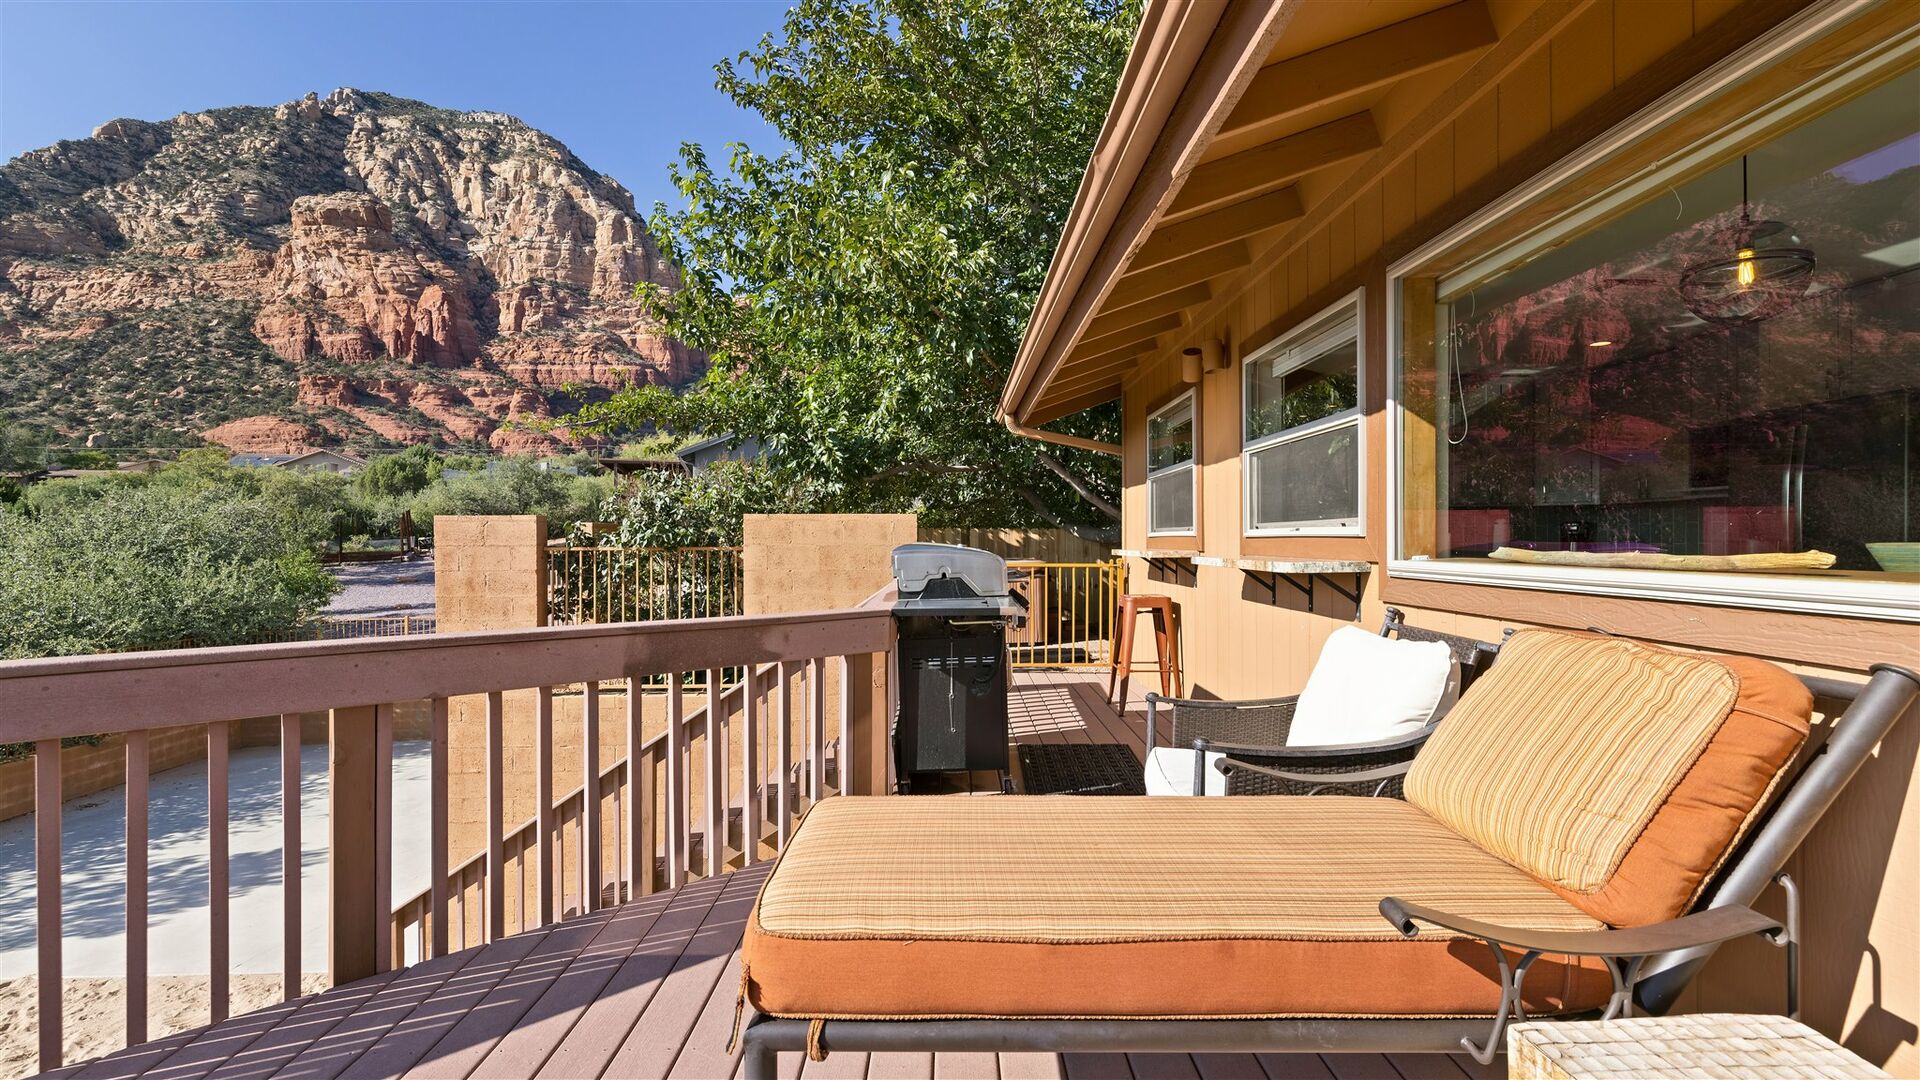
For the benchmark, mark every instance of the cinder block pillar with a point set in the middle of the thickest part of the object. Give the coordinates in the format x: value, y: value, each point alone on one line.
x: 824, y: 562
x: 490, y: 573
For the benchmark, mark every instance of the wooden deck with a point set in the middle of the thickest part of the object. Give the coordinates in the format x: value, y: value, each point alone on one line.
x: 647, y: 989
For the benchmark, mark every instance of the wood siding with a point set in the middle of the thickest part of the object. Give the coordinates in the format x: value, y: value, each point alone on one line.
x: 1600, y: 62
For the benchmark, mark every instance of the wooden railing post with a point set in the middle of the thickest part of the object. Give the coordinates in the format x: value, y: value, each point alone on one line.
x: 355, y: 919
x: 866, y: 693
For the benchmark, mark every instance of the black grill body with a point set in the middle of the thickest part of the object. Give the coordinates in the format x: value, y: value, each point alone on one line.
x: 951, y: 661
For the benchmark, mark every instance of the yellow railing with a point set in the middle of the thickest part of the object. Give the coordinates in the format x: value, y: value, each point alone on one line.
x: 1070, y: 613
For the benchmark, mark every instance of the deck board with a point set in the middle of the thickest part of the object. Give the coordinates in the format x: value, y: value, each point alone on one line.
x: 646, y: 989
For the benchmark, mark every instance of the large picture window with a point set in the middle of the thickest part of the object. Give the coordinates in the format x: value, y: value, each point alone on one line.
x: 1703, y: 390
x: 1171, y: 495
x: 1301, y: 405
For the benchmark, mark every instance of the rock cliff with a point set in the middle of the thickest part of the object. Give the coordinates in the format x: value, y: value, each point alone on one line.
x: 353, y: 270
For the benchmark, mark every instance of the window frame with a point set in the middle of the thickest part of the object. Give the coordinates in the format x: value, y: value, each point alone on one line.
x: 1326, y: 328
x: 1455, y: 247
x: 1191, y: 398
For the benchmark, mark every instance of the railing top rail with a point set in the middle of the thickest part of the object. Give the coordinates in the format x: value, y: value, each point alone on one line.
x: 601, y: 548
x: 85, y: 695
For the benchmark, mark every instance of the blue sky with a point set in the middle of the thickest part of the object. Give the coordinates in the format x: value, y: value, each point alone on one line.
x: 622, y: 84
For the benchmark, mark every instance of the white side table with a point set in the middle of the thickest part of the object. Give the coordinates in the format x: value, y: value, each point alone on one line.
x: 1707, y: 1046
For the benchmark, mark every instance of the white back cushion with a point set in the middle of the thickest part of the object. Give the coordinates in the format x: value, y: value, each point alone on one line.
x: 1366, y: 688
x: 1170, y: 772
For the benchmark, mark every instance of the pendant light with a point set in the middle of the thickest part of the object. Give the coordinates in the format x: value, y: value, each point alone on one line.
x: 1768, y: 272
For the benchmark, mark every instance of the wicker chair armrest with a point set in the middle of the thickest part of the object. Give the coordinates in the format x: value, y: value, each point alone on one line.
x: 1374, y: 775
x: 1247, y: 703
x: 1711, y: 927
x: 1320, y: 755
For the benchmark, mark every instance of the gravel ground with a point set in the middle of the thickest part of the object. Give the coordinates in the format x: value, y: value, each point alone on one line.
x: 377, y: 589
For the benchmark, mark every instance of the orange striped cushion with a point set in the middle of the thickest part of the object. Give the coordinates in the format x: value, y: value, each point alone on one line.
x: 1563, y: 757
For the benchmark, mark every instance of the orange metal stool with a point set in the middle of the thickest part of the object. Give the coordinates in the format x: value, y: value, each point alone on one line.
x: 1166, y: 637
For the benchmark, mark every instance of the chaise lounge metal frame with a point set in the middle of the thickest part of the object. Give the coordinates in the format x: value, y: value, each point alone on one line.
x: 1650, y: 964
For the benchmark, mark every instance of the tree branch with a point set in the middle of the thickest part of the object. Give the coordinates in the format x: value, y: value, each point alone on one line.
x: 1079, y: 486
x: 1040, y: 507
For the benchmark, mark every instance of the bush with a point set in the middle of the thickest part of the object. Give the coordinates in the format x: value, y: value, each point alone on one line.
x: 153, y: 565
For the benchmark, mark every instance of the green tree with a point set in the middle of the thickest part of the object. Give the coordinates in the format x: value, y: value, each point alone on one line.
x: 676, y: 510
x: 863, y: 293
x: 392, y: 475
x: 23, y: 447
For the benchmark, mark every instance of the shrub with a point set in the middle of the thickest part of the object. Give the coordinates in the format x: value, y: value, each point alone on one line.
x: 144, y: 565
x: 514, y: 485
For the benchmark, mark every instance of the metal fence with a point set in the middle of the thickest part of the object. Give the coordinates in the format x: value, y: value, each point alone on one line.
x: 611, y: 584
x: 1070, y: 613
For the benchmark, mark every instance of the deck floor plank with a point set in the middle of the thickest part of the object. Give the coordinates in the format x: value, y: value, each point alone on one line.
x: 1095, y: 1067
x: 704, y: 1055
x: 1163, y: 1067
x: 664, y: 1025
x: 306, y: 1027
x: 468, y: 1042
x: 966, y: 1066
x: 526, y: 1048
x: 596, y: 1036
x: 398, y: 997
x: 900, y: 1065
x: 1026, y: 1065
x: 404, y: 1044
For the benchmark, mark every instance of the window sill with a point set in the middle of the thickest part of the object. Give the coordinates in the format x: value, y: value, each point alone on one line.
x: 1874, y: 596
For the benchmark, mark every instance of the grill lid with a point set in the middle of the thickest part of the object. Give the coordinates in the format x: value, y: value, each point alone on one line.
x: 948, y: 571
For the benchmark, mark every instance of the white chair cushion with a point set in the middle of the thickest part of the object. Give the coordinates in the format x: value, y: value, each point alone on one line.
x: 1170, y: 772
x: 1367, y: 688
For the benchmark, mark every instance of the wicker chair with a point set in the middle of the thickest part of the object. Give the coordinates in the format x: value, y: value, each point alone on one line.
x: 1253, y: 735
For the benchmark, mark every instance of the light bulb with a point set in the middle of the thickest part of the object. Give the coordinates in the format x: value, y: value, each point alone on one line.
x: 1743, y: 272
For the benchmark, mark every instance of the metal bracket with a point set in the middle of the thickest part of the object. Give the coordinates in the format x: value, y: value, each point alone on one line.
x: 1303, y: 584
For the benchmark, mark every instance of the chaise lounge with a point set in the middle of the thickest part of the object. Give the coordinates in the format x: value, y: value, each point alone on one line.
x: 1575, y: 806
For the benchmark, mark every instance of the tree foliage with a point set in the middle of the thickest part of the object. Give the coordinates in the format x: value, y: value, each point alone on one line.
x: 862, y: 294
x: 147, y: 565
x: 676, y: 510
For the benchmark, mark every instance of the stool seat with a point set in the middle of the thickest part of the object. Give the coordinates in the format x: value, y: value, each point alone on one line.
x: 1165, y: 613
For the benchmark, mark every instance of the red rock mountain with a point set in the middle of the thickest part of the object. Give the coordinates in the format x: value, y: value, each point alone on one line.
x: 355, y: 270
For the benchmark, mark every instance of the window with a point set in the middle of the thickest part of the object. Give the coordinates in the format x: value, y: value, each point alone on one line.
x: 1301, y: 466
x: 1721, y: 362
x: 1171, y: 496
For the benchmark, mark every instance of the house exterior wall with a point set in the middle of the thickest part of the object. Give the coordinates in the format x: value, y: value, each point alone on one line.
x: 1861, y: 867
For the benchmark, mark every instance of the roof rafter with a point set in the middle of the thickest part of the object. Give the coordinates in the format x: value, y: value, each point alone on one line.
x: 1362, y: 63
x: 1141, y: 334
x: 1200, y: 266
x: 1216, y: 227
x: 1282, y: 161
x: 1117, y: 319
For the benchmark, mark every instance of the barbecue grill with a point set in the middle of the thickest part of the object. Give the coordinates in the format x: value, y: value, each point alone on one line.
x: 951, y: 620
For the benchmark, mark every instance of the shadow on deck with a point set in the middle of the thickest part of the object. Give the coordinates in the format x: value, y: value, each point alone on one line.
x: 647, y: 989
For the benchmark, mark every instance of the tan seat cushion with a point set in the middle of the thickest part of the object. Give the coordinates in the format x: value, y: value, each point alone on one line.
x: 1619, y: 773
x: 1062, y: 906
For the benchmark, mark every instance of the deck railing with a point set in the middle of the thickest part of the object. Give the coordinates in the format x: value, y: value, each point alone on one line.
x: 1070, y: 613
x: 776, y: 721
x: 626, y: 584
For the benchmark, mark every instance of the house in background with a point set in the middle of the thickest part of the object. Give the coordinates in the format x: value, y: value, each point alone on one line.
x: 726, y: 447
x: 1486, y: 310
x: 322, y: 460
